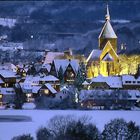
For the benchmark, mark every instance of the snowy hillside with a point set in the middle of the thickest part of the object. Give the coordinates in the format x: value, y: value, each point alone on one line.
x: 7, y: 22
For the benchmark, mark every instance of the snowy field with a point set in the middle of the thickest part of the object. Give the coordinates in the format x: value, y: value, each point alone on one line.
x: 40, y: 117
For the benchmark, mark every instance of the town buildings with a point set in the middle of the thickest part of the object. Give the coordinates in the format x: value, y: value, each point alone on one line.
x: 104, y: 76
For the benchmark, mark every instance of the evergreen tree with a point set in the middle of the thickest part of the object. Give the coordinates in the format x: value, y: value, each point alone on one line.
x: 61, y: 75
x: 20, y: 97
x: 83, y: 70
x: 81, y: 76
x: 32, y: 70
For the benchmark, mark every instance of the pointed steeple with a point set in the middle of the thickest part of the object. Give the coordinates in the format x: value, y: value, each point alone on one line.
x: 107, y: 16
x: 107, y: 33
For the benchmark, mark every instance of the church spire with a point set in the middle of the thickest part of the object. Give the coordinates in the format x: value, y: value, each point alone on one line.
x: 107, y: 33
x: 107, y: 16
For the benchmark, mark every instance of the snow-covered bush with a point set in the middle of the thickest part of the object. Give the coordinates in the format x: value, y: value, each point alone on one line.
x: 28, y: 106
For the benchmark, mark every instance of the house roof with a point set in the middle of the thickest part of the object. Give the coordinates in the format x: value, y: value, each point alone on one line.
x: 112, y: 81
x: 94, y: 55
x: 64, y: 64
x: 7, y: 73
x: 1, y: 81
x: 50, y: 56
x: 130, y: 78
x: 85, y: 83
x: 75, y: 64
x: 61, y: 63
x: 7, y: 91
x: 35, y: 79
x: 51, y: 88
x: 49, y: 78
x: 47, y: 66
x: 35, y: 89
x: 8, y: 66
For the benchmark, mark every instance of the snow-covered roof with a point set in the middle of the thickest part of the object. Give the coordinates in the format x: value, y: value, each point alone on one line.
x: 49, y: 78
x: 130, y: 80
x: 64, y: 88
x: 47, y: 66
x: 85, y: 83
x: 34, y: 80
x: 1, y: 81
x: 8, y: 66
x: 61, y: 63
x: 94, y: 55
x: 107, y: 31
x: 112, y: 81
x: 7, y: 73
x: 35, y: 89
x: 64, y: 64
x: 108, y: 57
x: 90, y: 94
x: 50, y: 88
x: 50, y: 56
x: 75, y: 64
x: 7, y: 91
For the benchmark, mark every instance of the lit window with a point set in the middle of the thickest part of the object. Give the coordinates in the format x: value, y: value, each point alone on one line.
x: 29, y: 95
x: 0, y: 96
x: 46, y: 91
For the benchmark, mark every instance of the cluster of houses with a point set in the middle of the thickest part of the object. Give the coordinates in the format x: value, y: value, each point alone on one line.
x: 104, y: 81
x: 46, y: 79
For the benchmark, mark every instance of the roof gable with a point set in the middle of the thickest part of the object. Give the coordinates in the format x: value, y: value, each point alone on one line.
x: 94, y: 55
x: 107, y: 31
x: 108, y: 50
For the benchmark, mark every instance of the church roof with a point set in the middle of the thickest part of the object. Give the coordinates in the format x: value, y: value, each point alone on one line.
x: 94, y: 55
x: 108, y: 57
x: 107, y: 31
x: 108, y: 50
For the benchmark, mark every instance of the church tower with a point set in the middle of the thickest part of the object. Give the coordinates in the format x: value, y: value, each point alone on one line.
x: 107, y: 34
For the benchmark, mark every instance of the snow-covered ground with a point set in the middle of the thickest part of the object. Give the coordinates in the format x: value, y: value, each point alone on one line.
x: 40, y: 117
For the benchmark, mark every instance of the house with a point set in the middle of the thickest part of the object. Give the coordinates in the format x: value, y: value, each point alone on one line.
x: 131, y: 82
x: 45, y: 69
x: 47, y: 90
x: 110, y: 82
x: 66, y: 68
x: 50, y: 56
x: 8, y: 77
x: 85, y: 85
x: 33, y: 86
x: 22, y: 70
x: 108, y: 98
x: 1, y: 83
x: 7, y: 95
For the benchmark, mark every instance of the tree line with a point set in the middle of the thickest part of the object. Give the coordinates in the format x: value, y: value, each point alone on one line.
x: 72, y: 128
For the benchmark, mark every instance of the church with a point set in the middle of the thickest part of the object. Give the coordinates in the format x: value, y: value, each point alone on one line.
x: 104, y: 60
